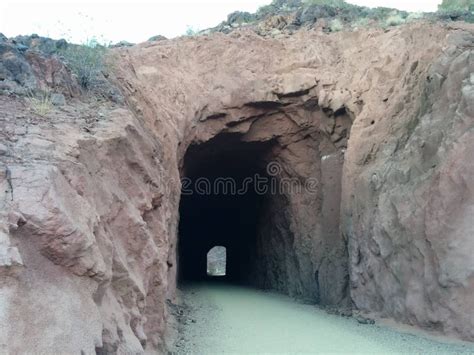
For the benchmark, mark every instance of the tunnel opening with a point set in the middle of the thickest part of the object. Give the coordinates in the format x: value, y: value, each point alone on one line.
x: 220, y: 206
x: 286, y: 237
x: 217, y: 261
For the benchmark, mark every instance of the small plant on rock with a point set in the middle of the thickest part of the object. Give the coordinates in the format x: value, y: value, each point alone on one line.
x: 361, y: 23
x: 86, y: 61
x: 413, y: 16
x: 191, y: 31
x: 332, y: 3
x: 394, y: 20
x: 40, y: 103
x: 336, y: 25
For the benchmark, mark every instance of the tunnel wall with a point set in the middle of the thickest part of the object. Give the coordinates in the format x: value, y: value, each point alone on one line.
x: 299, y: 249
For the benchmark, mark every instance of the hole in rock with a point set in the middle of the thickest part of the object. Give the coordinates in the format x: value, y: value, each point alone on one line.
x: 216, y: 261
x: 220, y: 206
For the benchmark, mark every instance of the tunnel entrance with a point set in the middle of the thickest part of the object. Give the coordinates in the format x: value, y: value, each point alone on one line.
x: 220, y: 206
x: 287, y: 240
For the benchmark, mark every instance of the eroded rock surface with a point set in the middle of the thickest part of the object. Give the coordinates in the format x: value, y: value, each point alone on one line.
x: 383, y: 120
x: 408, y: 201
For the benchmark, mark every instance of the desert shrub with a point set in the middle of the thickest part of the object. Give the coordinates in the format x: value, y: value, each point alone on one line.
x: 350, y: 13
x: 276, y: 7
x: 456, y: 5
x: 265, y: 10
x: 239, y: 17
x: 336, y: 25
x: 40, y: 103
x: 456, y: 15
x: 413, y: 16
x: 456, y: 10
x: 86, y: 61
x: 191, y: 31
x: 286, y: 5
x: 334, y: 3
x: 380, y: 13
x: 361, y: 23
x: 292, y: 4
x: 394, y: 20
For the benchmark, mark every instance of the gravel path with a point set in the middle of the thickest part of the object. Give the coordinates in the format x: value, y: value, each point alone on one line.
x: 230, y: 319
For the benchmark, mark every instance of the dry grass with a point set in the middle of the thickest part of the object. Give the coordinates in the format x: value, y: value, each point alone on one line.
x: 394, y: 20
x: 336, y: 25
x: 40, y: 103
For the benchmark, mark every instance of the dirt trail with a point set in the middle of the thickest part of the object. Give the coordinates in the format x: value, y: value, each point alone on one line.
x: 231, y: 319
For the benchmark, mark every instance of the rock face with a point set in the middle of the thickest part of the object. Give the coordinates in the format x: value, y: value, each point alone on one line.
x: 408, y: 202
x: 23, y: 70
x: 380, y: 121
x: 81, y: 254
x: 284, y: 17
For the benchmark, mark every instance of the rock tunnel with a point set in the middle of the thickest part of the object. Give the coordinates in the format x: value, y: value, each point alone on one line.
x: 91, y: 190
x: 220, y: 205
x: 248, y: 190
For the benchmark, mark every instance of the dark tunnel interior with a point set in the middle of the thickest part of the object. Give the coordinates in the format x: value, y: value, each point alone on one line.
x: 220, y: 206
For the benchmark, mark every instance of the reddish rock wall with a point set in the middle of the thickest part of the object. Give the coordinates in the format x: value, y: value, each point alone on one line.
x: 88, y: 242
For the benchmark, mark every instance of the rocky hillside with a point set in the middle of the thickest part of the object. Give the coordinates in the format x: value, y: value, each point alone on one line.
x: 381, y: 118
x: 282, y: 17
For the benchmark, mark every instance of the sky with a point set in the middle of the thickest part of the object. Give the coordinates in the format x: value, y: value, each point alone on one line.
x: 113, y: 21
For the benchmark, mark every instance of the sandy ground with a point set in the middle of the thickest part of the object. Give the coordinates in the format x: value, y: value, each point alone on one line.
x: 230, y: 319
